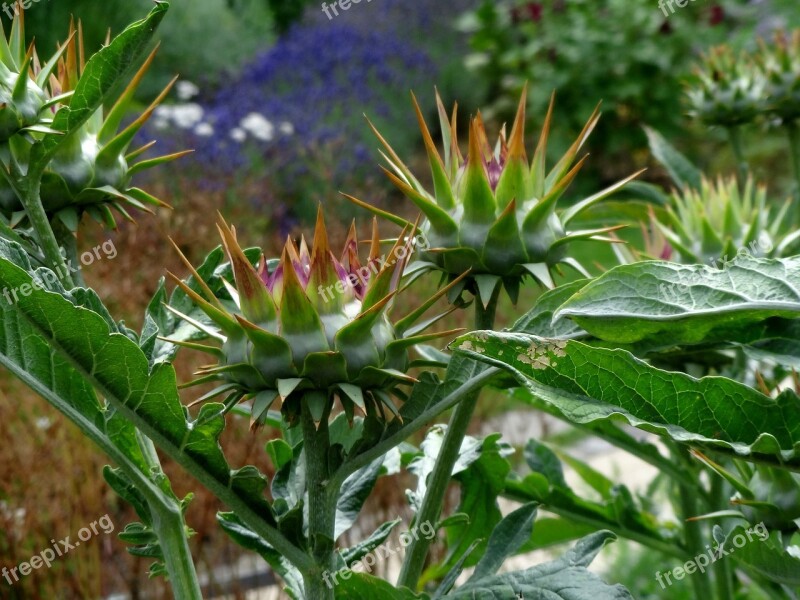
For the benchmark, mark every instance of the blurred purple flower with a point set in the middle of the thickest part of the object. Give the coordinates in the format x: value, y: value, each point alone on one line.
x: 309, y: 90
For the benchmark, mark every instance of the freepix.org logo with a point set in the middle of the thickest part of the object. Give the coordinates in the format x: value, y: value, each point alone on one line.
x: 665, y: 4
x: 14, y: 8
x: 339, y: 5
x: 59, y: 548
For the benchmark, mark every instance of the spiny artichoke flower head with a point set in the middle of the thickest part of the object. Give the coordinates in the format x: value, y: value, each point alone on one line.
x: 780, y: 63
x: 727, y: 89
x: 311, y: 325
x: 23, y: 99
x: 722, y: 220
x: 493, y: 214
x: 91, y: 171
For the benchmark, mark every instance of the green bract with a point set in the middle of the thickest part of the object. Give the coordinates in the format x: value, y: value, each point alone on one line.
x: 91, y: 172
x: 312, y: 325
x: 722, y: 220
x: 727, y: 89
x: 494, y: 214
x: 23, y: 100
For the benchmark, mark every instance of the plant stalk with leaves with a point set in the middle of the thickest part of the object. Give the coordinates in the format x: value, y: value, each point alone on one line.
x: 308, y: 353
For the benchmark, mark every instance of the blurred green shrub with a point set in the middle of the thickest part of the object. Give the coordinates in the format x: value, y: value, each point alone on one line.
x: 623, y: 52
x: 287, y: 12
x: 203, y: 40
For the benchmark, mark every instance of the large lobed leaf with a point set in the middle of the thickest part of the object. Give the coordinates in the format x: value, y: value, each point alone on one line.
x: 540, y: 320
x: 617, y: 509
x: 659, y: 304
x: 765, y: 557
x: 31, y: 358
x: 566, y: 578
x: 586, y: 384
x: 112, y: 362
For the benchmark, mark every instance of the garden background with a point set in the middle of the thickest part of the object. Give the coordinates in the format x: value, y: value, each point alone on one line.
x: 272, y: 97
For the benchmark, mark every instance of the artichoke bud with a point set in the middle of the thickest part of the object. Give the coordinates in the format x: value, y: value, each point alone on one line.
x: 311, y: 325
x: 21, y: 102
x: 22, y: 81
x: 781, y: 67
x: 92, y: 169
x: 722, y: 220
x: 494, y: 213
x: 727, y: 89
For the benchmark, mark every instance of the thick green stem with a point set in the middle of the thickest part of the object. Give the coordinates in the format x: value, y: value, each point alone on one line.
x: 477, y: 381
x: 31, y: 200
x: 693, y: 531
x: 439, y: 479
x: 722, y: 568
x: 69, y: 241
x: 27, y: 188
x: 169, y: 525
x: 793, y: 129
x: 321, y: 507
x: 438, y: 482
x: 735, y: 137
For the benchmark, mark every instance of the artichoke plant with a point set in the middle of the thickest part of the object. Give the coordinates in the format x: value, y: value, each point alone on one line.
x: 311, y: 325
x: 723, y: 219
x: 493, y: 214
x: 24, y: 99
x: 23, y: 83
x: 781, y: 67
x: 92, y: 170
x: 727, y: 89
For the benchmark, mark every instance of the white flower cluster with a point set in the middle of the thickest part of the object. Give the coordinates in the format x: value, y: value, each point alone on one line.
x: 186, y: 90
x: 190, y: 116
x: 260, y: 128
x: 184, y: 116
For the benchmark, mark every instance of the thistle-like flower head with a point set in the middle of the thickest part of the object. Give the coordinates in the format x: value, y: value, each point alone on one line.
x: 91, y: 171
x: 493, y: 213
x: 312, y: 324
x: 22, y: 81
x: 24, y: 102
x: 780, y: 63
x: 723, y: 219
x: 727, y: 89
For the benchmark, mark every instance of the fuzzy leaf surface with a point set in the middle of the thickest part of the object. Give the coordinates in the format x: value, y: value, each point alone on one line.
x: 76, y: 342
x: 585, y: 384
x: 565, y: 578
x: 658, y: 304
